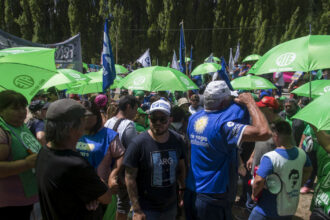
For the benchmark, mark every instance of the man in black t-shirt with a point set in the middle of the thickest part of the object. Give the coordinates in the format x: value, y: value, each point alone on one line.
x: 68, y: 185
x: 154, y: 164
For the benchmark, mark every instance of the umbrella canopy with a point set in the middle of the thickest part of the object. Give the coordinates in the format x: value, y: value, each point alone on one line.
x: 305, y: 54
x: 26, y: 69
x: 66, y: 78
x: 120, y: 69
x: 317, y: 113
x: 158, y: 78
x: 319, y: 87
x: 216, y: 59
x: 251, y: 82
x: 187, y: 60
x: 251, y: 57
x: 95, y: 85
x: 205, y: 68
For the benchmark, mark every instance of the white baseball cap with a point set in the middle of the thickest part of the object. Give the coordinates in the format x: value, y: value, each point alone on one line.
x: 217, y: 91
x: 162, y: 106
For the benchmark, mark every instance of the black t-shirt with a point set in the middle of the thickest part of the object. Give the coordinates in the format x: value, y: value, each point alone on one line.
x: 66, y: 183
x: 157, y: 165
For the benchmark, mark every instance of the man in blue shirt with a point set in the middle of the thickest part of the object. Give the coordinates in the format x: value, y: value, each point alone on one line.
x: 215, y: 133
x: 290, y: 165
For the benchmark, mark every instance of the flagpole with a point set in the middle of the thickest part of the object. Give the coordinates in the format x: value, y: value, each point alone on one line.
x: 185, y: 52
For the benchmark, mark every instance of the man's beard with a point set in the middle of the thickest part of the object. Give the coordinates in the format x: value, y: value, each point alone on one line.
x: 156, y: 132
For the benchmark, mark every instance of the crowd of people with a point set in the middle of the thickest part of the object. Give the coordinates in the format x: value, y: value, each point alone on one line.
x: 161, y: 155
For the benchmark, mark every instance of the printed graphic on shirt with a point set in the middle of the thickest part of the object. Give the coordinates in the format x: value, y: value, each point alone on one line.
x: 233, y: 131
x: 200, y: 124
x: 85, y: 148
x: 164, y: 164
x: 293, y: 178
x: 30, y: 141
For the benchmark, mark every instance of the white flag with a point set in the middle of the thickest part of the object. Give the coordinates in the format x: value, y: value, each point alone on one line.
x: 231, y: 63
x: 237, y: 53
x: 145, y: 59
x: 175, y: 64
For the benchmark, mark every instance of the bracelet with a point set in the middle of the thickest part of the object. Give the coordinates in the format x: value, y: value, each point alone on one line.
x: 182, y: 189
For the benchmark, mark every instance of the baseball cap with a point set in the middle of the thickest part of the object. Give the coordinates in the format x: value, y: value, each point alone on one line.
x: 101, y: 100
x: 268, y: 101
x: 162, y: 106
x: 182, y: 101
x: 65, y: 110
x: 217, y: 90
x: 37, y: 105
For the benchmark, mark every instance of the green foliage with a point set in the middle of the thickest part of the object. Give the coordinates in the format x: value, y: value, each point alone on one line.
x: 210, y: 25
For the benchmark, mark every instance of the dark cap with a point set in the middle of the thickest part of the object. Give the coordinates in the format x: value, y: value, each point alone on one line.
x: 37, y: 105
x: 65, y: 110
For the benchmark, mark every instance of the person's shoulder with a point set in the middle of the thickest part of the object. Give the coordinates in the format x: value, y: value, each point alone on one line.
x: 175, y: 135
x: 109, y: 131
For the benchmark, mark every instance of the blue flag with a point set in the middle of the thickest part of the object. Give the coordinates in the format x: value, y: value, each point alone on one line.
x: 190, y: 63
x: 223, y: 73
x: 182, y: 52
x: 109, y: 71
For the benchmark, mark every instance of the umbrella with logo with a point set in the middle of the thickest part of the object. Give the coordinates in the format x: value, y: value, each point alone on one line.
x: 158, y: 78
x: 26, y: 69
x: 205, y: 68
x: 319, y: 87
x: 251, y: 82
x: 94, y: 85
x: 305, y: 54
x: 120, y: 69
x: 66, y: 78
x: 252, y: 57
x: 317, y: 113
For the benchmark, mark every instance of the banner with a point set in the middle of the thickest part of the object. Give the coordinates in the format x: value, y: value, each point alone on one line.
x: 174, y: 63
x: 182, y: 54
x: 237, y: 53
x: 231, y: 64
x: 145, y: 59
x: 109, y: 71
x: 67, y: 55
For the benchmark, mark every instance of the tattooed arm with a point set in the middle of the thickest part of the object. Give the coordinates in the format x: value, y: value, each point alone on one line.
x: 130, y: 179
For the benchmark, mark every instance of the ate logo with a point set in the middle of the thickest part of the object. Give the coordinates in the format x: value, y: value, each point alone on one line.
x: 184, y: 80
x: 285, y: 59
x: 23, y: 81
x: 139, y: 80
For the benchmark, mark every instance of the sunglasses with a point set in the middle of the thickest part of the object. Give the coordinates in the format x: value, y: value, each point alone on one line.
x: 162, y: 120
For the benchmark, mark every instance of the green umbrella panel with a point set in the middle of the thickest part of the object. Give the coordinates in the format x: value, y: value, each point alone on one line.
x: 26, y: 69
x: 120, y: 69
x: 66, y: 78
x: 319, y: 87
x: 215, y: 59
x: 205, y: 68
x: 252, y: 57
x: 251, y: 82
x: 187, y: 60
x: 158, y: 78
x: 305, y: 54
x: 317, y: 113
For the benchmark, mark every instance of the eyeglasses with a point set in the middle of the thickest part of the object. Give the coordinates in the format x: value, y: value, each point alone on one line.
x: 162, y: 120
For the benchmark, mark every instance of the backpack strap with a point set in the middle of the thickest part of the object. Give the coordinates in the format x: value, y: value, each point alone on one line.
x: 115, y: 127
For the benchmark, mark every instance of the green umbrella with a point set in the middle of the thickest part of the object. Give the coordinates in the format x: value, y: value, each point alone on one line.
x: 120, y: 69
x: 95, y: 85
x: 85, y: 65
x: 251, y: 82
x: 317, y: 113
x: 26, y: 69
x: 305, y: 54
x: 205, y: 68
x: 251, y: 57
x: 66, y: 78
x: 319, y: 87
x: 158, y: 78
x: 216, y: 59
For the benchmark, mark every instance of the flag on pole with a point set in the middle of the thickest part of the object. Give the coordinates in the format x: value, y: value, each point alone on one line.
x: 182, y: 53
x: 109, y: 71
x: 174, y: 63
x: 231, y: 61
x: 237, y: 53
x: 223, y: 73
x: 190, y: 62
x: 145, y: 59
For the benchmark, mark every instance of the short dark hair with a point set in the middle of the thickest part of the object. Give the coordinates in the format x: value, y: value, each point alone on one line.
x: 11, y: 98
x: 177, y: 113
x: 291, y: 100
x: 127, y: 99
x: 59, y: 131
x: 283, y: 128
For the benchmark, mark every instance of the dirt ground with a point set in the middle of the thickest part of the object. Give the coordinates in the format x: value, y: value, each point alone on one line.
x: 302, y: 213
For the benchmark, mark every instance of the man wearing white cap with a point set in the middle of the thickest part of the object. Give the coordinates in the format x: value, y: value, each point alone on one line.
x: 154, y: 164
x: 215, y: 133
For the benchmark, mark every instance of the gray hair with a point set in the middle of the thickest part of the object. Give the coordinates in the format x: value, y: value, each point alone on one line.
x: 59, y: 131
